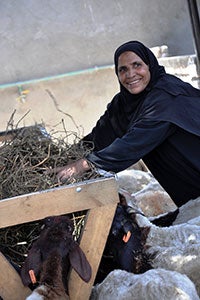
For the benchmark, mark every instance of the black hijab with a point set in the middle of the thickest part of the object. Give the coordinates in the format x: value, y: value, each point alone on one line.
x: 166, y: 98
x: 129, y: 103
x: 145, y: 54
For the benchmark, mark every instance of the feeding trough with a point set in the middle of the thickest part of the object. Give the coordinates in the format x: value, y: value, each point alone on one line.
x: 97, y: 197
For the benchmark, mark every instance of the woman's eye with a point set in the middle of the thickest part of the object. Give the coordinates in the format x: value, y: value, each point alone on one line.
x: 121, y: 70
x: 137, y: 65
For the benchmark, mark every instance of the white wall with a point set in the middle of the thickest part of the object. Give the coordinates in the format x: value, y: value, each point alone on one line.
x: 40, y: 38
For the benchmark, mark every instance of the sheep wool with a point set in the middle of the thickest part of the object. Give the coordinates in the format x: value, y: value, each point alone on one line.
x: 175, y: 248
x: 152, y: 285
x: 188, y: 211
x: 176, y: 235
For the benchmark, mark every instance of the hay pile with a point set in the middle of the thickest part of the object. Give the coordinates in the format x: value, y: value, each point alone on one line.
x: 24, y: 158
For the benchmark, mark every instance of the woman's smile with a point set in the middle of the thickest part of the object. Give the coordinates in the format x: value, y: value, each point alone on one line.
x: 133, y: 73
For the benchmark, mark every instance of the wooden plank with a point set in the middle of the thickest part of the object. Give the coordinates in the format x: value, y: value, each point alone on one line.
x: 10, y: 134
x: 11, y: 286
x: 93, y: 242
x: 6, y: 137
x: 57, y: 201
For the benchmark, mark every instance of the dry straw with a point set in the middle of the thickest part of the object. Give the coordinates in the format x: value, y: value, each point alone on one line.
x: 25, y: 155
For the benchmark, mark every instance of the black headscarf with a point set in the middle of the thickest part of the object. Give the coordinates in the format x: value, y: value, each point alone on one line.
x: 131, y: 101
x: 154, y: 125
x: 186, y: 97
x: 166, y: 98
x: 145, y: 54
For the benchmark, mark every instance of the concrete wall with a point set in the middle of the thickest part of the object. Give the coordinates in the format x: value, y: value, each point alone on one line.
x: 40, y: 38
x: 78, y: 100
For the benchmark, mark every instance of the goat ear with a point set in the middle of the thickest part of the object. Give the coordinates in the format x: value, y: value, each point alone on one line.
x: 80, y: 263
x: 32, y: 262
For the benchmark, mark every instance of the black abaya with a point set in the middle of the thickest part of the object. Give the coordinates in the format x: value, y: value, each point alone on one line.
x: 161, y: 125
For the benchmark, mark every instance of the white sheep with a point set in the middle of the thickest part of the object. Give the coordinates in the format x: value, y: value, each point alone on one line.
x: 156, y: 284
x: 174, y: 248
x: 170, y: 236
x: 188, y: 212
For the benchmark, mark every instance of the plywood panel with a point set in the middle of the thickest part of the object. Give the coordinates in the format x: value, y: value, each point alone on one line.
x: 11, y: 287
x: 66, y: 199
x: 93, y: 243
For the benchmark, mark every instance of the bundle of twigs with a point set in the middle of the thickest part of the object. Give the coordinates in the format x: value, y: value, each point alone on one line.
x: 25, y: 158
x: 25, y: 155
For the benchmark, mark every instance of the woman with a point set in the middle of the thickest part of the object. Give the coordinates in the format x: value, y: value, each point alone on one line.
x: 154, y: 117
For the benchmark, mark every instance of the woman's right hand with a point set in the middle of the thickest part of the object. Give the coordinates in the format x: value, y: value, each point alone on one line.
x: 74, y: 169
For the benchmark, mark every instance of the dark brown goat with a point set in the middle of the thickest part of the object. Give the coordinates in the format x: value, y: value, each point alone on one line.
x: 125, y: 248
x: 51, y: 282
x: 126, y: 244
x: 53, y: 253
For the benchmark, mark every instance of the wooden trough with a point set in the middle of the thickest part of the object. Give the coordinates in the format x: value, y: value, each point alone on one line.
x: 98, y: 197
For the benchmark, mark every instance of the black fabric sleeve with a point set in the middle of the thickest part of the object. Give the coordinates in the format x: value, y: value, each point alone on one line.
x: 141, y: 138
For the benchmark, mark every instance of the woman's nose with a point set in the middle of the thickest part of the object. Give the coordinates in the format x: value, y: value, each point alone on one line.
x: 131, y: 72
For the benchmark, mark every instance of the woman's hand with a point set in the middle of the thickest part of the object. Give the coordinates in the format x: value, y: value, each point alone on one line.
x: 74, y: 169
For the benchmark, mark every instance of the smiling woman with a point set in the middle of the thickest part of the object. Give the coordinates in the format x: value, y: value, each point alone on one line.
x: 154, y: 117
x: 133, y: 73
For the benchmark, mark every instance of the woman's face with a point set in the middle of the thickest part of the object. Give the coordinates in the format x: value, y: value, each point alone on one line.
x: 133, y: 73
